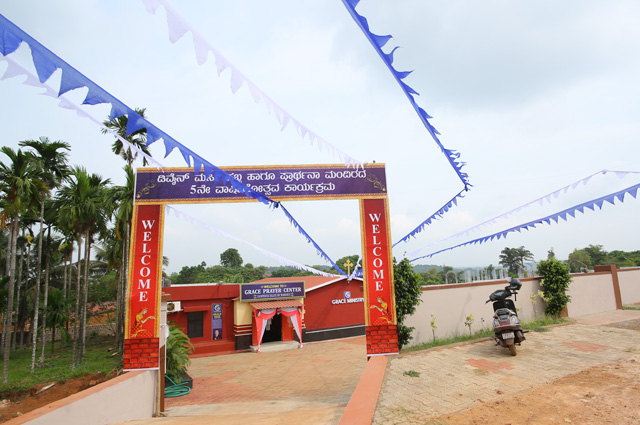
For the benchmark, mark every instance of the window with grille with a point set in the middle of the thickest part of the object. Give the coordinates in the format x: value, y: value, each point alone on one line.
x: 194, y: 324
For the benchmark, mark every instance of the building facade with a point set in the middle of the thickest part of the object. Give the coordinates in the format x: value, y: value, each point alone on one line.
x: 218, y: 319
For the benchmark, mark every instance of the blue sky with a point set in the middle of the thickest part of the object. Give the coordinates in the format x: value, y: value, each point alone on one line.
x: 534, y: 95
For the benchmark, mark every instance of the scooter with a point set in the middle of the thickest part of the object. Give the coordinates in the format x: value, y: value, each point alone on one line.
x: 506, y: 324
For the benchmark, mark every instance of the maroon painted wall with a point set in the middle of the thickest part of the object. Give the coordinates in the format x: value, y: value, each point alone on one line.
x: 200, y: 298
x: 321, y: 313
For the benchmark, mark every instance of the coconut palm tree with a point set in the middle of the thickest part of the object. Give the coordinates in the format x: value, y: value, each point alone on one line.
x: 138, y: 138
x: 82, y: 199
x: 21, y: 185
x: 54, y: 166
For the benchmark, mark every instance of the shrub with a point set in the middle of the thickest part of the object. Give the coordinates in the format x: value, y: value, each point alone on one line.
x: 555, y: 284
x: 407, y: 289
x: 178, y: 349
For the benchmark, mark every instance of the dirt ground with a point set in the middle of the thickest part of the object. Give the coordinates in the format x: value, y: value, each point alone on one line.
x: 24, y: 403
x: 603, y: 395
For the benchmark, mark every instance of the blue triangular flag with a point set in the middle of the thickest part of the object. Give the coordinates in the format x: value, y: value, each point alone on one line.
x: 9, y: 43
x: 70, y: 81
x: 380, y: 40
x: 43, y: 63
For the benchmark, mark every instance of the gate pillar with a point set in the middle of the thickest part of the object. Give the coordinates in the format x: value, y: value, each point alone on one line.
x: 379, y: 295
x: 144, y: 289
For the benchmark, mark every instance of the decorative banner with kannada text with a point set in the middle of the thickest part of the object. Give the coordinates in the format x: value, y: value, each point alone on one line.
x: 279, y: 182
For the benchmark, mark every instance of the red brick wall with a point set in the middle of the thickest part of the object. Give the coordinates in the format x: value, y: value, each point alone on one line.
x: 382, y: 340
x: 141, y: 353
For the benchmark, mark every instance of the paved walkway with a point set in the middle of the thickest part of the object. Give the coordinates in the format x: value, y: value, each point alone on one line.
x: 311, y: 385
x: 457, y: 378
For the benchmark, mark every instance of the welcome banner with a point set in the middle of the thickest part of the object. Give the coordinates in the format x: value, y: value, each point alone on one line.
x: 142, y: 320
x: 379, y: 294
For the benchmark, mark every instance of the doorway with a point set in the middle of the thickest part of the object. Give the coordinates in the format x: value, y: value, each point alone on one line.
x: 273, y: 331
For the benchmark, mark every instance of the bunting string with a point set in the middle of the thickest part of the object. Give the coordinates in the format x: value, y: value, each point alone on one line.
x: 571, y: 212
x: 355, y: 269
x: 46, y: 63
x: 178, y: 27
x: 378, y: 42
x: 309, y: 240
x: 541, y: 200
x: 282, y: 260
x: 15, y: 70
x: 438, y: 214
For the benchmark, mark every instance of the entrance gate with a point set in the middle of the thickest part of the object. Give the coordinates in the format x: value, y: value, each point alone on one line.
x: 155, y: 188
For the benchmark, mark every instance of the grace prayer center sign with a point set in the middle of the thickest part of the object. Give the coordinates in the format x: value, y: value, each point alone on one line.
x: 155, y: 188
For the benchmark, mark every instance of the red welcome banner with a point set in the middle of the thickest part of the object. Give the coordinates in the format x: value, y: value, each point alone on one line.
x: 145, y: 271
x: 377, y: 264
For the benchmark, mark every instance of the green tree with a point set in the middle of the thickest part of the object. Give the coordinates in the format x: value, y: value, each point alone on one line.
x: 58, y: 315
x: 514, y: 258
x: 579, y: 260
x: 122, y: 197
x: 231, y: 258
x: 82, y: 199
x: 551, y: 253
x: 53, y: 161
x: 21, y: 185
x: 432, y: 277
x: 555, y: 284
x: 348, y: 263
x: 289, y: 272
x: 138, y: 138
x: 597, y: 254
x: 623, y: 258
x: 407, y: 285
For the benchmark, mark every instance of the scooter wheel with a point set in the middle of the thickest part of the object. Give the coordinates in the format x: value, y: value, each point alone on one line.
x: 512, y: 349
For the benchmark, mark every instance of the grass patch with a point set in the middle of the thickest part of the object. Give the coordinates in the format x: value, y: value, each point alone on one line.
x: 631, y: 307
x: 411, y: 373
x: 537, y: 324
x: 451, y: 340
x: 57, y: 366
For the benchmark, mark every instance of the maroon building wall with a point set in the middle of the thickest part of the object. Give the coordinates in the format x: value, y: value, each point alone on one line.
x: 199, y: 298
x: 329, y: 314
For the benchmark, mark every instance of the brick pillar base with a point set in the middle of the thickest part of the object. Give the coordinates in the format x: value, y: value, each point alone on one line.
x: 141, y: 353
x: 382, y: 340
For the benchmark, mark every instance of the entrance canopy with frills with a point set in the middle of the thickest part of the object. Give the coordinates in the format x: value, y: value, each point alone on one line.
x: 263, y: 311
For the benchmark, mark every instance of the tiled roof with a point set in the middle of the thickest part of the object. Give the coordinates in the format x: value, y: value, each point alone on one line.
x: 310, y: 282
x: 265, y: 305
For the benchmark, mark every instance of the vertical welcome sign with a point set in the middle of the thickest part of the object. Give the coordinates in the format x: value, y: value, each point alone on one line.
x: 142, y: 319
x: 379, y: 294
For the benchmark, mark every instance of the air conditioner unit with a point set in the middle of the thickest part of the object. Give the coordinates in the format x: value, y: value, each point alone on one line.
x: 173, y: 306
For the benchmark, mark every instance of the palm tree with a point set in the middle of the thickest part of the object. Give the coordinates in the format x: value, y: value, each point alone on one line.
x: 514, y: 258
x: 22, y: 185
x: 58, y: 312
x: 54, y: 166
x: 82, y: 199
x: 122, y: 197
x: 138, y: 138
